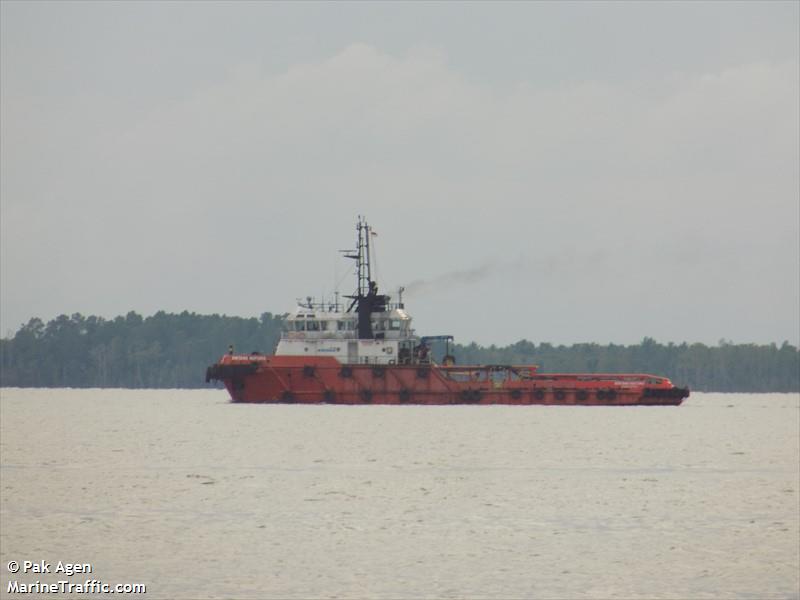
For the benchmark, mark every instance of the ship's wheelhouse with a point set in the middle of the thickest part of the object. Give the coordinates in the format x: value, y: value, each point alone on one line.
x: 371, y: 329
x: 325, y: 331
x: 305, y: 324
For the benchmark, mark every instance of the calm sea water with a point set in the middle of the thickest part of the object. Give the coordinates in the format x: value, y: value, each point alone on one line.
x: 199, y: 498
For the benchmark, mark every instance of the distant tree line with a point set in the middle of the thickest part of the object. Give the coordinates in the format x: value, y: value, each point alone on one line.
x: 161, y: 351
x: 172, y: 351
x: 724, y: 368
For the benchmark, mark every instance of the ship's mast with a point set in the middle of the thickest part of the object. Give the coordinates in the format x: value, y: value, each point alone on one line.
x: 364, y: 269
x: 366, y: 299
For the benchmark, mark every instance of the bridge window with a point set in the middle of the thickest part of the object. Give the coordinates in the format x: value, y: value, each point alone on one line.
x: 312, y: 326
x: 394, y: 324
x: 300, y: 325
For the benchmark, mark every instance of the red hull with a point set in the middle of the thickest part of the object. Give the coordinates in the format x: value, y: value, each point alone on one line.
x: 316, y: 380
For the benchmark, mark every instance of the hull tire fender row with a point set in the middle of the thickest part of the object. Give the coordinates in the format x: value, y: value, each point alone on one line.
x: 308, y: 370
x: 366, y: 395
x: 423, y: 372
x: 471, y: 396
x: 346, y: 372
x: 287, y: 396
x: 404, y: 395
x: 674, y: 392
x: 516, y: 394
x: 581, y: 395
x: 539, y: 394
x: 329, y: 396
x: 606, y: 394
x: 378, y: 373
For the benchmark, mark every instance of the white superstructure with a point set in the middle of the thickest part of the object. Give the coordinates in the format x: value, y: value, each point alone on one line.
x: 319, y: 330
x: 371, y: 330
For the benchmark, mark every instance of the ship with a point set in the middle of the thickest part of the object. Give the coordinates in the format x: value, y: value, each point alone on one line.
x: 365, y: 351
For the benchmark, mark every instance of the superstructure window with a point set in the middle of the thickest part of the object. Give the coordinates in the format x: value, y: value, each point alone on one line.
x: 312, y: 325
x: 299, y: 325
x: 394, y: 324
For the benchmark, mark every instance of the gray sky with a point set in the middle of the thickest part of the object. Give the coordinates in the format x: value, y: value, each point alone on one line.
x: 559, y: 172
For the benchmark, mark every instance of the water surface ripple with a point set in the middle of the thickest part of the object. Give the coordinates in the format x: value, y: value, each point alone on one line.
x: 199, y: 498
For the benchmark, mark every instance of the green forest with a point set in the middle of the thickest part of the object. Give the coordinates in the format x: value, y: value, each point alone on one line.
x: 173, y: 350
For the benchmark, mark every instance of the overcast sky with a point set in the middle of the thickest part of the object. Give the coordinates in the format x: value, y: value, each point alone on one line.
x: 558, y: 172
